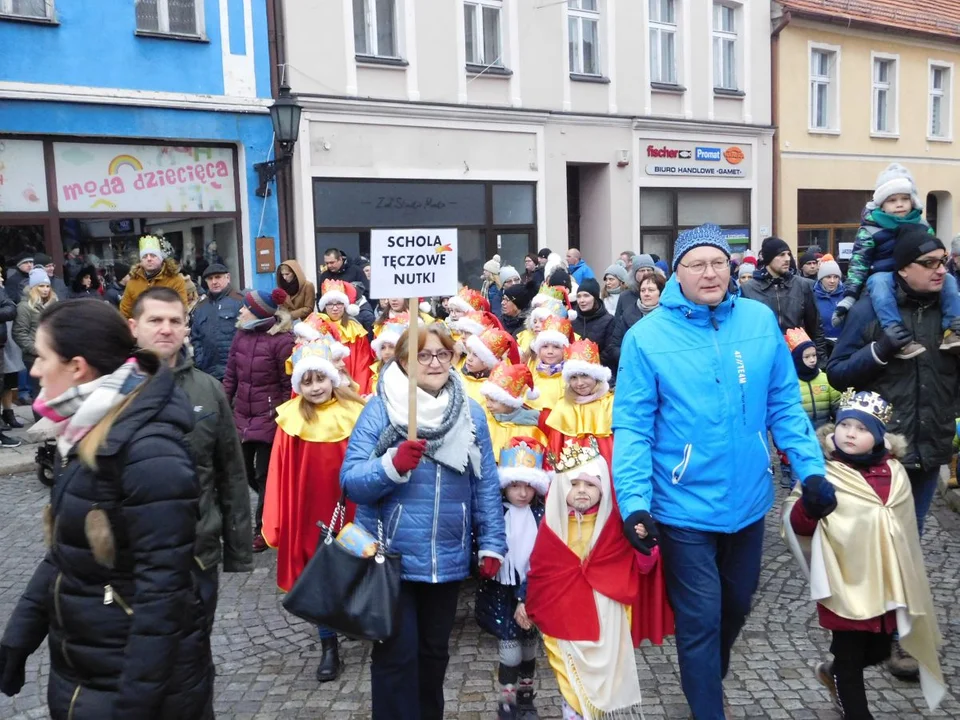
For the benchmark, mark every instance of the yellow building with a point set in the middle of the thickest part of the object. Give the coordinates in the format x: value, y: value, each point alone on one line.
x: 856, y: 87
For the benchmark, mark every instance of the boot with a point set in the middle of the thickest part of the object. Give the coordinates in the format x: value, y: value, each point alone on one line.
x: 10, y: 419
x: 824, y: 675
x: 911, y: 350
x: 330, y: 666
x: 525, y: 694
x: 507, y: 705
x: 901, y: 664
x: 951, y: 342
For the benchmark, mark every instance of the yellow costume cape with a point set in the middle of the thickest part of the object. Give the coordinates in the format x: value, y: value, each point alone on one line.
x: 593, y: 418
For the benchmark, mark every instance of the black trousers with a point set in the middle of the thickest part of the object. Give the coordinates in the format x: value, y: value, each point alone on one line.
x: 407, y: 671
x: 256, y: 458
x: 208, y: 583
x: 854, y: 650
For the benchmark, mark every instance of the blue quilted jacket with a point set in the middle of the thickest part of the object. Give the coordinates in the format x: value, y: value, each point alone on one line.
x: 432, y: 518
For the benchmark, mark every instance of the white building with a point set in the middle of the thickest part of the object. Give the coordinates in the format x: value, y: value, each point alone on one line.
x: 603, y: 124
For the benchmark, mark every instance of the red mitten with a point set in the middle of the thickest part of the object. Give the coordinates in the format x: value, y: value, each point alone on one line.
x: 489, y: 567
x: 408, y: 455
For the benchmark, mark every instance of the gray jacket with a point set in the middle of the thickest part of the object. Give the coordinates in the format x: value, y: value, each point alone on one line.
x: 792, y: 300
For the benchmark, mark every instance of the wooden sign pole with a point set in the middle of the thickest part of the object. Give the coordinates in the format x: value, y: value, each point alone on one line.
x: 413, y: 347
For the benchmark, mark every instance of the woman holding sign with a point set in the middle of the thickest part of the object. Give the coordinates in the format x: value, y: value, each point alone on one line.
x: 434, y: 495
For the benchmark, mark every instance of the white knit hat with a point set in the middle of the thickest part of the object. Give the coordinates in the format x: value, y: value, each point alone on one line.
x: 896, y: 180
x: 508, y: 272
x: 828, y: 268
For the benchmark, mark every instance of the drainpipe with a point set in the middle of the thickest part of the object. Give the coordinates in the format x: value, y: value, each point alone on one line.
x: 775, y: 114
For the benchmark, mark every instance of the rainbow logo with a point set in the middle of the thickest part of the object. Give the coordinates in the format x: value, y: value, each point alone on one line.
x: 124, y: 161
x: 103, y: 203
x: 444, y: 248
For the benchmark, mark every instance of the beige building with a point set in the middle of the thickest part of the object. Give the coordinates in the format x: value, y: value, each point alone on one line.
x: 603, y: 124
x: 857, y: 86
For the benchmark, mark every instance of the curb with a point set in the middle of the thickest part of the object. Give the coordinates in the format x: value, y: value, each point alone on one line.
x: 952, y: 496
x: 18, y: 468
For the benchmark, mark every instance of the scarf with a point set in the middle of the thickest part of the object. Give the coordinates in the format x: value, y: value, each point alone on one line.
x: 521, y: 526
x: 645, y: 309
x: 893, y: 222
x: 615, y: 291
x: 549, y: 370
x: 78, y: 410
x: 602, y: 389
x: 254, y: 324
x: 807, y: 374
x: 443, y: 421
x: 867, y: 460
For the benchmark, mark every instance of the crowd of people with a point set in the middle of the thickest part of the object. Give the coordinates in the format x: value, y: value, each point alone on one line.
x: 572, y: 452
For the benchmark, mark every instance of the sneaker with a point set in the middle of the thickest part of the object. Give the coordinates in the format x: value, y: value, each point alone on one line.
x: 910, y: 350
x: 824, y: 674
x: 951, y: 343
x: 259, y: 544
x: 506, y: 710
x: 8, y: 442
x: 901, y: 664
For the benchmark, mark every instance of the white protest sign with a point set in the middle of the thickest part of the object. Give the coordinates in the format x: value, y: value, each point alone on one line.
x: 409, y: 263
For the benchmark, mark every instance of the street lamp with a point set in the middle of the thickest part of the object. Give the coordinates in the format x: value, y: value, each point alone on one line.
x: 285, y: 116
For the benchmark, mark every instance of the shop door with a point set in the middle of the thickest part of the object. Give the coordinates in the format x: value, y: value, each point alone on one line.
x: 19, y: 236
x: 513, y: 247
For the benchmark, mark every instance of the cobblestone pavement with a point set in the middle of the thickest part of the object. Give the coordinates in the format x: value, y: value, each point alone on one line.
x: 266, y: 659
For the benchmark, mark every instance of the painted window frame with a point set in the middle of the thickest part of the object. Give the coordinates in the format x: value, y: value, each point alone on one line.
x: 577, y: 17
x: 832, y: 83
x: 945, y: 94
x: 371, y: 27
x: 477, y: 7
x: 659, y: 29
x: 721, y: 38
x: 163, y: 21
x: 6, y: 11
x: 891, y: 88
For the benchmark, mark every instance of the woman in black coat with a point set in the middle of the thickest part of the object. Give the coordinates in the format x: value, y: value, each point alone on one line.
x: 86, y: 284
x: 593, y: 322
x: 115, y: 593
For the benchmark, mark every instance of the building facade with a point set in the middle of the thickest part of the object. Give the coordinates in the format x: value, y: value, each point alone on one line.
x: 147, y: 118
x: 602, y: 124
x: 857, y: 87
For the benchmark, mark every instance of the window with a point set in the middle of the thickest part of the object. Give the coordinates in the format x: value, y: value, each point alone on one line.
x: 940, y: 102
x: 824, y: 87
x: 884, y: 95
x: 724, y: 47
x: 665, y: 212
x: 481, y: 28
x: 375, y: 28
x: 175, y: 17
x: 663, y: 42
x: 584, y: 21
x: 39, y: 9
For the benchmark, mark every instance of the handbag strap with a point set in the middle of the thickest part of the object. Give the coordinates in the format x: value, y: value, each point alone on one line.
x: 340, y: 511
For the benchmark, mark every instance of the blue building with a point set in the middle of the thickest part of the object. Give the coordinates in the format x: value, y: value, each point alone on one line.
x: 121, y: 118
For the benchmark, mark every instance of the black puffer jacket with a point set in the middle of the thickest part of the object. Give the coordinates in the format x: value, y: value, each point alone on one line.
x: 792, y: 300
x: 126, y: 637
x: 213, y: 324
x: 8, y: 313
x: 924, y: 391
x: 597, y: 325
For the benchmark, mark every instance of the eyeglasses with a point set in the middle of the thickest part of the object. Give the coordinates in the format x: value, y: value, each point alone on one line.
x: 699, y: 268
x: 425, y: 357
x: 933, y: 263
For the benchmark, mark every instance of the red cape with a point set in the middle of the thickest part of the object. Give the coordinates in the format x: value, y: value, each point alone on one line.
x: 303, y: 486
x: 560, y: 587
x: 556, y: 439
x: 358, y: 363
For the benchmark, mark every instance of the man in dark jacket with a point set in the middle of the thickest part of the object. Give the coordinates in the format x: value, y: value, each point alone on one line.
x: 515, y: 308
x: 214, y: 322
x: 790, y: 297
x: 365, y: 314
x: 924, y: 391
x: 338, y: 267
x: 159, y: 324
x: 58, y: 286
x: 593, y: 322
x: 8, y: 313
x: 18, y: 276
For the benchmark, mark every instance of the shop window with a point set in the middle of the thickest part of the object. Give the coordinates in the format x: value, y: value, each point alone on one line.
x: 375, y: 28
x: 722, y: 207
x: 34, y: 9
x: 657, y: 207
x: 481, y: 21
x: 824, y: 88
x: 724, y: 46
x: 583, y: 18
x: 941, y: 102
x: 513, y: 204
x: 663, y: 42
x: 885, y: 92
x: 173, y: 17
x: 830, y: 219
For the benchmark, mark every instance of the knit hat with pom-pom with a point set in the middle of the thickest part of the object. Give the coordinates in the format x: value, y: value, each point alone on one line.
x: 264, y: 305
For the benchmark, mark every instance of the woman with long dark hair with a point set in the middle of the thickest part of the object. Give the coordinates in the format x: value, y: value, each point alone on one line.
x: 115, y: 592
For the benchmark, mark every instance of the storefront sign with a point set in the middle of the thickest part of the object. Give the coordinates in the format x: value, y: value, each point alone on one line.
x: 144, y: 178
x: 413, y: 263
x: 23, y: 183
x: 736, y: 236
x: 844, y: 250
x: 696, y: 159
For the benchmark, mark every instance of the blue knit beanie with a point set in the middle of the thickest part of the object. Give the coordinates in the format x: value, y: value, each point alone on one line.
x: 708, y: 234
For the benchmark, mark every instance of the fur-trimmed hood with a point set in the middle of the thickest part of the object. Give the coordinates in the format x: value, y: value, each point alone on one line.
x: 168, y: 269
x: 896, y: 444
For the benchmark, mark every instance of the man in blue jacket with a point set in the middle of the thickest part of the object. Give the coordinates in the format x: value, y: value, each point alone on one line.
x: 213, y: 322
x: 701, y: 380
x: 577, y: 267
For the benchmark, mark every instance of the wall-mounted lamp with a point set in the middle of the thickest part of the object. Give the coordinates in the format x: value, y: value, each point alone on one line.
x: 285, y: 115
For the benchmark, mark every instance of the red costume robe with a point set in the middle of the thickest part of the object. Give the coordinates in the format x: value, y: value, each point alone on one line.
x: 361, y: 355
x: 570, y: 421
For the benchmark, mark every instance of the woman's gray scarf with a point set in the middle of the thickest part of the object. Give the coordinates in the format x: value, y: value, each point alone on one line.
x: 445, y: 442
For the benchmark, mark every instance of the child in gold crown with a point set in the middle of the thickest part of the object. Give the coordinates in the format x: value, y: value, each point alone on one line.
x: 855, y: 535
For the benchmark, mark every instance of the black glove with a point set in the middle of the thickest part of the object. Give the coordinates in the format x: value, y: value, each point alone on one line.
x: 819, y: 496
x: 643, y: 545
x: 892, y: 339
x: 13, y: 663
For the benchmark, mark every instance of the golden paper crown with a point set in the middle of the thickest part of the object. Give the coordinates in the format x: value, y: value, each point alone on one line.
x: 470, y: 299
x: 522, y: 452
x: 796, y: 337
x: 584, y: 351
x: 558, y: 324
x: 556, y: 292
x: 512, y: 379
x: 867, y: 402
x: 497, y: 341
x: 575, y: 455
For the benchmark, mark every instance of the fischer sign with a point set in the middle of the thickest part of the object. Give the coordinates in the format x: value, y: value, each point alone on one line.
x: 710, y: 160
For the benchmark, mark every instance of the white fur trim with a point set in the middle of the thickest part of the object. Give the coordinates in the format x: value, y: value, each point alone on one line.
x: 539, y: 300
x: 482, y: 351
x: 384, y: 337
x: 386, y: 462
x: 467, y: 325
x: 549, y: 336
x: 301, y: 329
x: 353, y: 310
x: 537, y: 479
x: 600, y: 373
x: 317, y: 364
x: 894, y: 186
x: 335, y: 296
x: 459, y: 303
x: 489, y: 553
x: 495, y: 392
x: 425, y: 307
x: 571, y: 315
x: 540, y: 313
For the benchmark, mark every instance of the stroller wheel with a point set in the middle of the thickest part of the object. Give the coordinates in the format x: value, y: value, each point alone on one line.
x: 45, y: 457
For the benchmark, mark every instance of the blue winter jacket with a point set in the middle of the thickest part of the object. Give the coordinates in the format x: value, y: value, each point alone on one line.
x: 432, y: 517
x: 580, y: 272
x: 696, y: 392
x: 826, y: 303
x: 212, y: 327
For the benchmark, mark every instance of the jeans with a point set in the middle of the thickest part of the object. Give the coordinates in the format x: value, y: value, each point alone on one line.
x: 407, y: 671
x: 924, y: 486
x: 882, y: 289
x: 711, y: 578
x: 854, y: 650
x: 256, y: 458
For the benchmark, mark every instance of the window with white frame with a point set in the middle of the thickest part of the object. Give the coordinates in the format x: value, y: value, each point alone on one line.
x: 375, y: 28
x: 176, y: 17
x: 724, y: 46
x: 823, y: 89
x: 884, y: 95
x: 940, y: 101
x: 39, y: 9
x: 481, y: 28
x: 583, y: 18
x: 663, y: 42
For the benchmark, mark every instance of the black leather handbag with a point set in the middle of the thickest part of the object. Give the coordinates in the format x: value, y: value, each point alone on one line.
x: 355, y: 596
